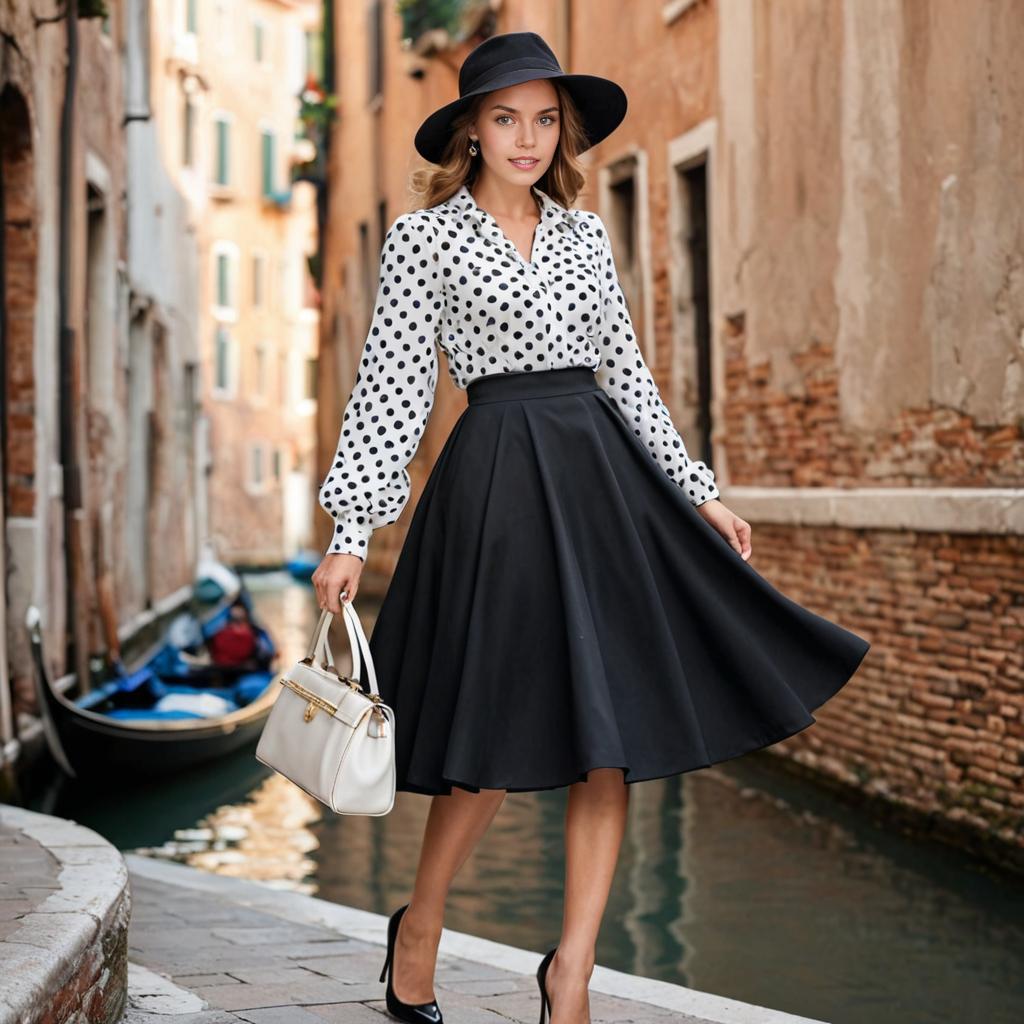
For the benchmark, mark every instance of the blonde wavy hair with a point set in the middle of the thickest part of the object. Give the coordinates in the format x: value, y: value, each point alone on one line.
x: 562, y: 181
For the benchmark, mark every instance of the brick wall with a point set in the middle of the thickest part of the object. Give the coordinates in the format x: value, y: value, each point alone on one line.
x: 786, y: 439
x: 20, y: 244
x: 933, y: 722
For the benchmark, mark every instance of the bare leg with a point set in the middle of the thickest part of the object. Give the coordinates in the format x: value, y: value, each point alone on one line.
x: 455, y: 824
x: 595, y: 823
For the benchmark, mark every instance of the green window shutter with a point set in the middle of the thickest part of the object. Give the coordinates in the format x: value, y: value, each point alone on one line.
x: 222, y: 170
x: 191, y: 15
x: 188, y: 154
x: 221, y: 358
x: 223, y: 284
x: 268, y: 162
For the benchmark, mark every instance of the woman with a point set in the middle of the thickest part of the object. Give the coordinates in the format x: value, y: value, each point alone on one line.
x: 573, y: 604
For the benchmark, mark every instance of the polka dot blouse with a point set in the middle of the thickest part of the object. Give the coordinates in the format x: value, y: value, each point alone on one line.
x: 450, y: 277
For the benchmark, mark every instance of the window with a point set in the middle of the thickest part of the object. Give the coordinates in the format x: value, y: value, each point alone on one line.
x: 314, y: 55
x: 382, y: 221
x: 222, y: 359
x: 260, y: 371
x: 294, y: 45
x: 375, y: 58
x: 366, y: 273
x: 311, y: 373
x: 256, y: 474
x: 310, y: 294
x: 277, y: 464
x: 285, y: 295
x: 267, y: 147
x: 258, y: 42
x: 222, y: 149
x: 225, y: 277
x: 259, y: 280
x: 223, y: 280
x: 690, y: 391
x: 256, y: 481
x: 191, y: 16
x: 188, y: 133
x: 224, y: 15
x: 625, y: 202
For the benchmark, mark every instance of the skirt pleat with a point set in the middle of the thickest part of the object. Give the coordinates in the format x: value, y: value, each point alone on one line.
x: 559, y: 605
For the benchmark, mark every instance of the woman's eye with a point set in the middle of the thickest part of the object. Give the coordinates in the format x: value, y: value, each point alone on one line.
x: 508, y: 117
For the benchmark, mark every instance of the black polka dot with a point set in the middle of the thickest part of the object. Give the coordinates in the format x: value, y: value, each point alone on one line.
x: 450, y: 278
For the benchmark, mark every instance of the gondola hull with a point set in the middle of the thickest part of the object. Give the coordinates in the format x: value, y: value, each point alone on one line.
x: 94, y: 743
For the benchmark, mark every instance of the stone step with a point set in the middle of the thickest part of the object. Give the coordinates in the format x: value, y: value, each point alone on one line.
x: 64, y: 910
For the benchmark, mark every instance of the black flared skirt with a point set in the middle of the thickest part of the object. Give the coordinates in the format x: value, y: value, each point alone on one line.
x: 559, y: 605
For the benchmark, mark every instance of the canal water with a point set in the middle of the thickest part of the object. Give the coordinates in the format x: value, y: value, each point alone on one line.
x: 737, y: 879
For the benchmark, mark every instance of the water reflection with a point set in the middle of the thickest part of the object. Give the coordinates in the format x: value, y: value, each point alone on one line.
x: 267, y: 839
x: 738, y: 880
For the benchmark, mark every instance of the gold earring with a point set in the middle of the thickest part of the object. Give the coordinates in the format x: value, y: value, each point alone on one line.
x: 472, y: 147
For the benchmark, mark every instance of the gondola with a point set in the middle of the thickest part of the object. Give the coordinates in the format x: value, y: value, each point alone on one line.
x: 135, y: 720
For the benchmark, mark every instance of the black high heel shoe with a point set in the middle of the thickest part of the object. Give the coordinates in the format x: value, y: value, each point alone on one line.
x: 414, y: 1013
x: 542, y: 974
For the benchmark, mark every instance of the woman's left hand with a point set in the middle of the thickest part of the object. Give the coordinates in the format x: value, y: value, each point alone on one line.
x: 735, y: 530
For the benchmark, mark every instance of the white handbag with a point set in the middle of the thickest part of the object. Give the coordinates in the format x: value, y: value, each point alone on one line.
x: 328, y: 735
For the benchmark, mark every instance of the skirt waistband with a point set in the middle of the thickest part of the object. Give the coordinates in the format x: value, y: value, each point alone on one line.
x: 503, y: 387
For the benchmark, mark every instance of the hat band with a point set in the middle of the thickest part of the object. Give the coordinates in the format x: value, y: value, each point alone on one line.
x: 521, y: 64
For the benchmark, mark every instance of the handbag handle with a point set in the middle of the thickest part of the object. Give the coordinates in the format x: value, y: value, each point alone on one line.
x: 323, y: 649
x: 356, y: 639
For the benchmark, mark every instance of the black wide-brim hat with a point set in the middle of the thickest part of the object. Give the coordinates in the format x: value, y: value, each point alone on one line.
x: 511, y: 58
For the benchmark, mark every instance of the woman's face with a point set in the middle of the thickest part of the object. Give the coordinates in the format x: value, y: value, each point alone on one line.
x: 520, y: 122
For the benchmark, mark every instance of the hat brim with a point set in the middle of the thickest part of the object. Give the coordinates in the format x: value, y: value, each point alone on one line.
x: 601, y: 103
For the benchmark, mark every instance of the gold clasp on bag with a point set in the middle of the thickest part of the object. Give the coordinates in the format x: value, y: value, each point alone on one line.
x: 314, y: 701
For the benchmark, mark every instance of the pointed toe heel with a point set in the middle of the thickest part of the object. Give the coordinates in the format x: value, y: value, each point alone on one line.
x: 542, y: 974
x: 412, y: 1013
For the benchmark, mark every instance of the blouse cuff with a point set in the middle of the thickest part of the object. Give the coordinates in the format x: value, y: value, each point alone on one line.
x: 350, y: 537
x: 701, y: 481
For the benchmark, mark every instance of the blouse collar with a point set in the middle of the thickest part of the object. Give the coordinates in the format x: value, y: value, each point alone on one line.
x: 553, y: 214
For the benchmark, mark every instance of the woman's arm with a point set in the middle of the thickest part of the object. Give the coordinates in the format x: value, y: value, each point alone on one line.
x: 625, y: 376
x: 367, y: 485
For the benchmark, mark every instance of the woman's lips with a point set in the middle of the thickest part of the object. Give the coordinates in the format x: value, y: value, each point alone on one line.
x: 524, y: 165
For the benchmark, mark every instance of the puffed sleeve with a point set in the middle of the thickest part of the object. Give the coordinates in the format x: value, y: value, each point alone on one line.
x: 367, y: 485
x: 625, y: 377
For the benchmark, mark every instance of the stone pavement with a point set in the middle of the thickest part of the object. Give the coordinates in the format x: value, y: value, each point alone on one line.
x: 206, y: 949
x: 30, y: 874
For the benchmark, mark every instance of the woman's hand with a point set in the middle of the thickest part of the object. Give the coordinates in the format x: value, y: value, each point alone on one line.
x: 337, y: 573
x: 735, y: 530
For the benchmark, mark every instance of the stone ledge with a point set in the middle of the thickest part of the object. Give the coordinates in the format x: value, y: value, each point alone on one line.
x: 972, y: 510
x: 65, y: 958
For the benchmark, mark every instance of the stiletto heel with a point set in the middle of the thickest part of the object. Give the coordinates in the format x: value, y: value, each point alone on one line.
x: 542, y: 974
x: 412, y: 1013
